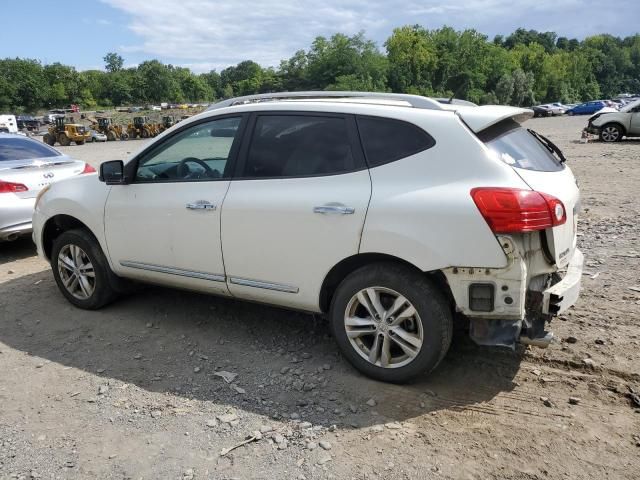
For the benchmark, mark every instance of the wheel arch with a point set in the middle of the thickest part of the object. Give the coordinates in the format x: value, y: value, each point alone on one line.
x: 350, y: 264
x: 617, y: 123
x: 57, y: 225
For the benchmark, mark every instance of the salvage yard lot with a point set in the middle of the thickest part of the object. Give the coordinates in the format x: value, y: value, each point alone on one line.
x: 136, y: 390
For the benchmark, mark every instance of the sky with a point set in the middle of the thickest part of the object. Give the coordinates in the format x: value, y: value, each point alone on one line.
x: 213, y: 34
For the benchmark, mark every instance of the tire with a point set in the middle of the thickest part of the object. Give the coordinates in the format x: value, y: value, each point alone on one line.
x: 80, y: 142
x: 611, y: 133
x: 570, y: 113
x: 87, y: 294
x: 64, y: 140
x: 111, y: 137
x: 144, y: 134
x: 432, y: 323
x: 49, y: 139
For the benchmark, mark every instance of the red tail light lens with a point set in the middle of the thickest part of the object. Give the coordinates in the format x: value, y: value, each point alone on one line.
x: 88, y: 169
x: 512, y: 210
x: 10, y: 187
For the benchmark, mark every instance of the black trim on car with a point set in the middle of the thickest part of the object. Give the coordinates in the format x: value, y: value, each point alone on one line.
x: 430, y: 140
x: 356, y: 148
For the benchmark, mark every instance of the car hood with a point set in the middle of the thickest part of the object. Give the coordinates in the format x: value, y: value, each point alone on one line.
x: 480, y: 118
x: 604, y: 110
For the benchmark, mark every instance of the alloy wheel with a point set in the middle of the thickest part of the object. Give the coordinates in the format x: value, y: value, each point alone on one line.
x: 76, y: 271
x: 383, y: 327
x: 610, y: 134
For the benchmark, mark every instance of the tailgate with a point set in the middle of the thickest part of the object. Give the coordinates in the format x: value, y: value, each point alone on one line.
x: 561, y: 240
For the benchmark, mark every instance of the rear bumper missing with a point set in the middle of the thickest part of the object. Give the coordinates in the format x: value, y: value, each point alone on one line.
x: 559, y: 297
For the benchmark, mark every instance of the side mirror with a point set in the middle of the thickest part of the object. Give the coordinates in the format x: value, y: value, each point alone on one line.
x: 112, y: 173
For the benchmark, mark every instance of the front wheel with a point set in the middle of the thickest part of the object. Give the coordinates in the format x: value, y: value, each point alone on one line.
x: 391, y: 322
x: 81, y: 270
x: 611, y: 133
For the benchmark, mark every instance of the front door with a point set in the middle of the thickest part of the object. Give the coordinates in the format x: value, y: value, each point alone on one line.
x: 295, y: 208
x: 634, y: 125
x: 164, y: 226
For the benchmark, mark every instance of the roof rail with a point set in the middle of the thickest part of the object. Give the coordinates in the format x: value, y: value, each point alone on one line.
x: 416, y: 101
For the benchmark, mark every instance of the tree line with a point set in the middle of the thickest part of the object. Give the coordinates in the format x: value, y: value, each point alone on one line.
x: 524, y: 68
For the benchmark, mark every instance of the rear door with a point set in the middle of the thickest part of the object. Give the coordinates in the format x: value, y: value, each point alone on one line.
x: 543, y: 172
x: 295, y: 208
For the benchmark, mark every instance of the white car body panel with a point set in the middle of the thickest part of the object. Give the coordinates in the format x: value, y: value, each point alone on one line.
x: 271, y: 234
x: 152, y: 236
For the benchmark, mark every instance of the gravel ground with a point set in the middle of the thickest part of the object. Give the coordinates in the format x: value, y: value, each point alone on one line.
x: 142, y: 389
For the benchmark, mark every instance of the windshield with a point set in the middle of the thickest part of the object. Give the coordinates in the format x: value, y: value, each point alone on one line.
x: 12, y: 148
x: 520, y: 148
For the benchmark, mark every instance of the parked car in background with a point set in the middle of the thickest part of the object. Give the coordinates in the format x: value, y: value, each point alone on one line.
x: 587, y: 108
x: 134, y: 109
x: 97, y: 136
x: 26, y: 167
x: 613, y: 126
x: 28, y: 122
x: 541, y: 111
x: 388, y: 213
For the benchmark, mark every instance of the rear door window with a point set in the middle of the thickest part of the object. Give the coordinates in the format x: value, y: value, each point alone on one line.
x: 386, y: 140
x: 299, y: 146
x: 519, y: 148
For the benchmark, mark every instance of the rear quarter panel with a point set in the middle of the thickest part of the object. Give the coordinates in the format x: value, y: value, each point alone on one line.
x: 421, y: 209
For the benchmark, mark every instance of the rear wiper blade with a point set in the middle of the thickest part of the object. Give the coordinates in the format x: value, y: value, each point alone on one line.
x: 548, y: 144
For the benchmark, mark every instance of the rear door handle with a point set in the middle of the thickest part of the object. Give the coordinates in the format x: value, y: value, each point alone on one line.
x: 201, y: 205
x: 334, y: 209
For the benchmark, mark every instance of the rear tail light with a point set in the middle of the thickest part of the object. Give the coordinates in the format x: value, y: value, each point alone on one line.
x: 512, y: 210
x: 10, y: 187
x: 88, y: 169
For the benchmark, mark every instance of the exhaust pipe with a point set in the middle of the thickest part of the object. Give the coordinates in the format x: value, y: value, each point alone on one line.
x: 11, y: 237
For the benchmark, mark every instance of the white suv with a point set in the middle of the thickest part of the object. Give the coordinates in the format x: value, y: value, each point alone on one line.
x: 612, y: 125
x: 389, y: 213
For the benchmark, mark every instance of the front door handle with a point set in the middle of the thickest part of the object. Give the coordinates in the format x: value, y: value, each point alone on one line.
x: 201, y: 205
x: 334, y: 209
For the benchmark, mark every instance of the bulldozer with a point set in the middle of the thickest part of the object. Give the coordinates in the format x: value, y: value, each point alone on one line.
x: 65, y: 132
x: 110, y: 129
x: 167, y: 122
x: 141, y: 128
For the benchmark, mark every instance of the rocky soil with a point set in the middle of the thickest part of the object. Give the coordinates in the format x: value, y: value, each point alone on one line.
x: 169, y: 384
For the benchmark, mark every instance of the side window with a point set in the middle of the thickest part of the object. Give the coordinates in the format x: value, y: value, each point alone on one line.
x: 198, y: 153
x: 385, y: 140
x: 297, y: 146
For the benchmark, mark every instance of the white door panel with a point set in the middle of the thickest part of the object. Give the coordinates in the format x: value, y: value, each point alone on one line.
x: 271, y: 234
x: 152, y: 235
x: 634, y: 127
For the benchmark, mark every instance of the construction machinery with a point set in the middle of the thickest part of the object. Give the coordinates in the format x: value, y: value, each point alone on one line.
x: 64, y: 133
x: 141, y: 128
x: 111, y: 130
x: 167, y: 122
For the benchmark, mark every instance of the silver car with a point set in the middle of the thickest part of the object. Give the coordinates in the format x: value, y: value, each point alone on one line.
x: 26, y: 167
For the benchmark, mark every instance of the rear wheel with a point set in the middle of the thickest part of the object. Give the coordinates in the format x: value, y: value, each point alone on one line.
x: 611, y: 133
x: 391, y: 322
x: 144, y: 133
x: 81, y: 270
x: 111, y: 136
x: 570, y: 113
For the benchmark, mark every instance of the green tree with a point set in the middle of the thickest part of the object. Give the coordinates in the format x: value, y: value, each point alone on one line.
x: 113, y: 62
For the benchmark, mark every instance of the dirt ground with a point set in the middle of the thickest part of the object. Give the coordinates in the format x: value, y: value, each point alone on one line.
x: 136, y: 390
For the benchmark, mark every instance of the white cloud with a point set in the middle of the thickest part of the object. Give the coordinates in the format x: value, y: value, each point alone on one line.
x: 205, y: 34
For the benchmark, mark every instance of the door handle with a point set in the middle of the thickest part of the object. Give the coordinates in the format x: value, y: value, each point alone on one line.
x: 201, y: 205
x: 334, y: 209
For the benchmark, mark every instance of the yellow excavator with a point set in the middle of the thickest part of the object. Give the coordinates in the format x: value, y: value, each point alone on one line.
x: 111, y: 130
x: 167, y: 122
x: 141, y: 128
x: 64, y: 133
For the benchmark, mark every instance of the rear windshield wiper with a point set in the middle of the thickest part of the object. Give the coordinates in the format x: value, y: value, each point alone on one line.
x: 548, y: 144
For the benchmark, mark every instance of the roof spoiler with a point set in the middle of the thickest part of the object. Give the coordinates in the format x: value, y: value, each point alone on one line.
x: 481, y: 118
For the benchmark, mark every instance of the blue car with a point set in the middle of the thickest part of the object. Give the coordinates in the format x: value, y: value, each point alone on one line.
x: 587, y: 108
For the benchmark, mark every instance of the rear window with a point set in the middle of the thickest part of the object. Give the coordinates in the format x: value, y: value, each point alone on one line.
x: 517, y: 147
x: 385, y: 140
x: 12, y: 148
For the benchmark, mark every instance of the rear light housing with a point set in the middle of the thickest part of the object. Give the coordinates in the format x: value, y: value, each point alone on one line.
x: 513, y: 210
x: 88, y: 169
x: 10, y: 187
